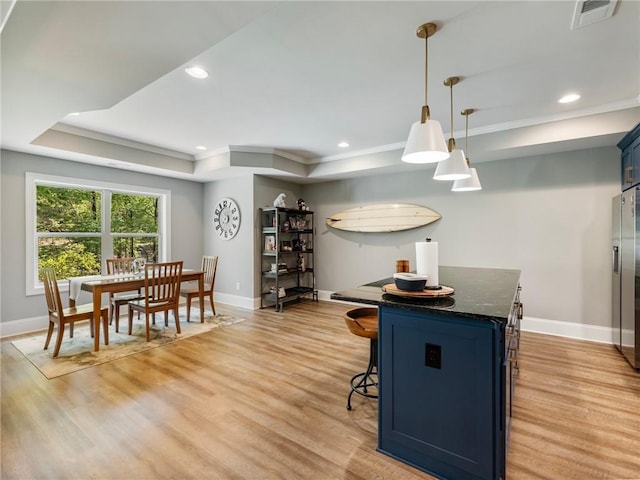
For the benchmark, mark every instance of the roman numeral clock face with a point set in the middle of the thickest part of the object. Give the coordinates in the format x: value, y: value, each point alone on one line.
x: 226, y: 218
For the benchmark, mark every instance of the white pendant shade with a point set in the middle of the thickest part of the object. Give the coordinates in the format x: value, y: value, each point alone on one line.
x: 426, y: 143
x: 467, y: 184
x: 453, y: 168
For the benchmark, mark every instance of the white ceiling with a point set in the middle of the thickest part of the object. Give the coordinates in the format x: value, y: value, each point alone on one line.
x: 290, y: 80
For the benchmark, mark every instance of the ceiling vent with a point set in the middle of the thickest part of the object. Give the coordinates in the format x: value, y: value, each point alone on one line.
x: 588, y: 12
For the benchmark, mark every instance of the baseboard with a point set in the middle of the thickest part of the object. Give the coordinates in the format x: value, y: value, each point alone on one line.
x: 235, y: 300
x: 592, y: 333
x: 23, y: 325
x: 326, y: 295
x: 579, y: 331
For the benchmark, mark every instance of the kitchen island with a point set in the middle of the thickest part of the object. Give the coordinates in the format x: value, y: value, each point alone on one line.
x: 447, y: 370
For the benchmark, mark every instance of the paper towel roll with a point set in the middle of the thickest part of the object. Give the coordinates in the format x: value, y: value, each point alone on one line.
x: 427, y: 262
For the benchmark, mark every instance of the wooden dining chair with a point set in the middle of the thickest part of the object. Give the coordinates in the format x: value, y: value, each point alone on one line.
x: 60, y: 316
x: 161, y: 293
x: 116, y: 300
x: 209, y: 266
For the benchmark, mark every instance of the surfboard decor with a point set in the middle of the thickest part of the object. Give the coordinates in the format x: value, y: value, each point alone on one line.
x: 392, y: 217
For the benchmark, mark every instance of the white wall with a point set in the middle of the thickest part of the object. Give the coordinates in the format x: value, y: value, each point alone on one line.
x: 186, y: 224
x: 548, y: 216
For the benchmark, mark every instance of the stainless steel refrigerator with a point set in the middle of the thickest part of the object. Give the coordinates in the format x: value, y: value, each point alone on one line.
x: 626, y: 275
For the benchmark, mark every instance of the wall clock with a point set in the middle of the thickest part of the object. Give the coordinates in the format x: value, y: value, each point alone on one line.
x: 226, y: 218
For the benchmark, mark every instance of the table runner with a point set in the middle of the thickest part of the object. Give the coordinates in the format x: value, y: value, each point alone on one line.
x: 75, y: 283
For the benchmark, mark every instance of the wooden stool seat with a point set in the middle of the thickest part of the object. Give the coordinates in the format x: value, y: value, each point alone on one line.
x: 363, y: 322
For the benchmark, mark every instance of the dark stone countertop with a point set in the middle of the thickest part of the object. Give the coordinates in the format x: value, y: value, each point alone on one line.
x: 480, y: 293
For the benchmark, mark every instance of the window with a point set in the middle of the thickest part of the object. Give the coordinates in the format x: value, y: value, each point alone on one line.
x: 73, y: 225
x: 134, y: 226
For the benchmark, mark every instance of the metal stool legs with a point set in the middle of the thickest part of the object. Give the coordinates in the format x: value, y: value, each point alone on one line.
x: 362, y: 382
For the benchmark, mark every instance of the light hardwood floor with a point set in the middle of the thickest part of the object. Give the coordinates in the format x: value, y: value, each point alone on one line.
x: 265, y: 399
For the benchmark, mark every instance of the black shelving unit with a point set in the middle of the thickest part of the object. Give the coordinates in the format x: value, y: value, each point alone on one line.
x: 287, y: 265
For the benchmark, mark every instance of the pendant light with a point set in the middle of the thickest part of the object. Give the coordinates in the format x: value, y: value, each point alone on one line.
x: 455, y: 167
x: 426, y: 143
x: 473, y: 182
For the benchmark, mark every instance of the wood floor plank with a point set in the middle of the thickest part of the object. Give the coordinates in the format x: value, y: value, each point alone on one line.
x: 266, y: 399
x: 576, y: 412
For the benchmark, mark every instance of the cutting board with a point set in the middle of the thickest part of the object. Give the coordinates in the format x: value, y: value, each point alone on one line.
x: 442, y: 292
x: 391, y: 217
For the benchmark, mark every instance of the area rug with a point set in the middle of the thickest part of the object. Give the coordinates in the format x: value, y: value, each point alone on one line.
x: 77, y: 353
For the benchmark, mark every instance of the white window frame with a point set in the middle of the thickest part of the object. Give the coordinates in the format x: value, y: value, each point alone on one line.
x: 32, y: 180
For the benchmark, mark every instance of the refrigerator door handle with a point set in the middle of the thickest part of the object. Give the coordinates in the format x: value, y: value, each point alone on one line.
x: 616, y: 261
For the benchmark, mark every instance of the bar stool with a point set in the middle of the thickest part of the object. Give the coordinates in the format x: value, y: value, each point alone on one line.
x: 363, y: 322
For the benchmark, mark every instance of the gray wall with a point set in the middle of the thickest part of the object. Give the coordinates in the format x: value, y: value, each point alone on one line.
x: 238, y: 278
x: 549, y: 216
x: 186, y: 221
x: 234, y: 277
x: 265, y: 192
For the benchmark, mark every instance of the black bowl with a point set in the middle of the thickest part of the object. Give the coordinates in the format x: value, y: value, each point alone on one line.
x: 410, y: 282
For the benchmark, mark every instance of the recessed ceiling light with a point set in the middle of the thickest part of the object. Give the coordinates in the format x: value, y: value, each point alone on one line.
x: 74, y: 114
x: 197, y: 72
x: 343, y: 144
x: 201, y: 147
x: 572, y: 97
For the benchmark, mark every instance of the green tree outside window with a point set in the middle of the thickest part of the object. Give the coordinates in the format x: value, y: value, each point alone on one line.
x: 69, y: 228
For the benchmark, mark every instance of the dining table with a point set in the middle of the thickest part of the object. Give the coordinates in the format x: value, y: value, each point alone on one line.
x: 117, y: 283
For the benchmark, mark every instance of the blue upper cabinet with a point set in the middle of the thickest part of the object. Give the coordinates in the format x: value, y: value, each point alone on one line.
x: 630, y: 147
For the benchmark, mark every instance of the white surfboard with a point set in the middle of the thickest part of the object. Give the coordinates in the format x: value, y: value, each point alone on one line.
x: 391, y: 217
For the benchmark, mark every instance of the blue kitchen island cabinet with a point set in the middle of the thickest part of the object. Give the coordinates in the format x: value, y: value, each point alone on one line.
x: 447, y: 369
x: 441, y: 406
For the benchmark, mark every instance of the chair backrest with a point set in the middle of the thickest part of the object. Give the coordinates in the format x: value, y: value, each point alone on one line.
x: 51, y: 291
x: 119, y: 265
x: 162, y: 282
x: 209, y: 266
